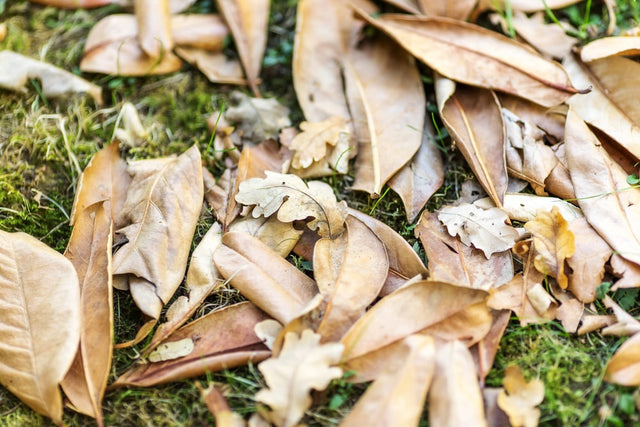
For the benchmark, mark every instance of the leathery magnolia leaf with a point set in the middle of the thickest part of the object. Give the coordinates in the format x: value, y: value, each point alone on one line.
x: 302, y: 365
x: 609, y: 46
x: 549, y: 38
x: 609, y: 204
x: 474, y: 119
x: 161, y: 211
x: 16, y: 70
x: 407, y: 311
x: 476, y: 56
x: 282, y: 237
x: 214, y: 65
x: 202, y: 279
x: 349, y: 271
x: 611, y: 105
x: 39, y: 319
x: 295, y: 200
x: 451, y: 261
x: 553, y: 243
x: 263, y: 276
x: 520, y: 398
x: 377, y: 72
x: 624, y: 367
x: 454, y: 396
x: 397, y: 397
x: 484, y: 229
x: 221, y: 339
x: 247, y: 20
x: 460, y: 9
x: 154, y: 26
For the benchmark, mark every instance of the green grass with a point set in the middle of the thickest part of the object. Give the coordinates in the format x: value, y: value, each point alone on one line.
x: 38, y: 176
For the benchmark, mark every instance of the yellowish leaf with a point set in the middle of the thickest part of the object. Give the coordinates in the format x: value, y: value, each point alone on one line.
x: 520, y: 398
x: 316, y: 139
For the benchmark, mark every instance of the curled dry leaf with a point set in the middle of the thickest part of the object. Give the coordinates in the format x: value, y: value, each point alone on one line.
x: 161, y: 211
x: 550, y: 121
x: 397, y: 397
x: 484, y: 229
x: 477, y: 56
x: 221, y: 339
x: 624, y: 366
x: 302, y: 365
x: 154, y: 26
x: 474, y: 119
x: 39, y: 319
x: 282, y: 237
x: 523, y: 207
x: 218, y: 406
x: 294, y: 200
x: 214, y: 65
x: 16, y: 70
x: 256, y: 119
x: 609, y: 204
x: 625, y: 323
x: 628, y: 272
x: 553, y: 243
x: 609, y: 46
x: 520, y: 398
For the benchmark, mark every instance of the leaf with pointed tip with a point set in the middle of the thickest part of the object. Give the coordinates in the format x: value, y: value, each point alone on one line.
x: 520, y: 397
x: 216, y: 66
x: 609, y: 46
x: 316, y: 141
x: 154, y: 26
x: 526, y: 5
x: 279, y: 236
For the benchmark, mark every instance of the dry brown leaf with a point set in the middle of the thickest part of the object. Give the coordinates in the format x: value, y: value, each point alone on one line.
x: 282, y: 237
x: 553, y: 243
x: 264, y: 277
x: 16, y: 70
x: 302, y: 365
x: 219, y: 196
x: 454, y: 397
x: 624, y: 367
x: 218, y: 406
x: 73, y: 4
x: 524, y: 207
x: 628, y: 272
x: 349, y: 271
x: 549, y: 120
x: 609, y: 204
x: 248, y: 20
x: 3, y: 31
x: 526, y: 5
x: 131, y: 133
x: 154, y: 26
x: 404, y: 262
x: 410, y: 6
x: 484, y: 229
x: 256, y: 119
x: 377, y: 72
x: 222, y: 339
x: 460, y: 9
x: 476, y: 56
x: 485, y: 350
x: 451, y: 261
x: 161, y: 211
x: 316, y: 142
x: 611, y: 105
x: 214, y: 65
x: 294, y: 200
x: 609, y: 46
x: 474, y: 119
x: 625, y: 324
x: 419, y: 179
x: 397, y: 397
x: 40, y: 315
x: 520, y: 398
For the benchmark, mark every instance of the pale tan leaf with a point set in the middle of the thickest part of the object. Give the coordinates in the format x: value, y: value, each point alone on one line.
x: 454, y: 397
x: 625, y: 324
x: 131, y: 133
x: 594, y: 322
x: 550, y: 121
x: 523, y: 207
x: 526, y: 5
x: 609, y: 46
x: 628, y: 272
x: 222, y: 339
x: 218, y: 406
x: 477, y: 56
x: 256, y: 119
x: 73, y: 4
x: 302, y: 365
x: 268, y: 330
x: 551, y: 39
x: 474, y: 119
x: 460, y: 9
x: 294, y: 200
x: 520, y: 398
x: 3, y: 31
x: 485, y: 350
x: 553, y: 243
x: 214, y: 65
x: 397, y: 397
x: 154, y: 26
x: 451, y: 261
x: 377, y: 71
x: 16, y: 70
x: 484, y: 229
x: 314, y: 142
x: 349, y: 271
x: 170, y: 350
x: 40, y: 315
x: 161, y: 211
x: 410, y: 6
x: 248, y: 20
x: 624, y: 367
x: 609, y: 204
x: 279, y: 236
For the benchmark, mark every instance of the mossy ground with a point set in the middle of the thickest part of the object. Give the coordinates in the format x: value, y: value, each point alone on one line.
x: 40, y: 164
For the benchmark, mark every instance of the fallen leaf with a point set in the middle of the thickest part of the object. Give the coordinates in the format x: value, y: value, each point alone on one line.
x: 474, y: 119
x: 624, y: 367
x: 609, y: 204
x: 279, y: 236
x: 524, y: 207
x: 161, y: 211
x: 628, y: 272
x: 625, y: 324
x: 410, y: 6
x: 73, y: 4
x: 218, y: 406
x: 451, y: 261
x: 520, y: 398
x: 388, y: 133
x: 550, y: 121
x: 302, y: 365
x: 317, y: 140
x: 3, y: 31
x: 397, y: 397
x: 609, y: 46
x: 457, y: 10
x: 295, y: 200
x: 40, y: 315
x: 485, y: 229
x: 222, y: 339
x: 171, y: 350
x: 16, y: 70
x: 526, y: 5
x: 477, y: 56
x: 454, y: 396
x: 132, y: 133
x: 268, y: 331
x: 485, y: 350
x: 154, y: 26
x: 214, y: 65
x: 248, y: 20
x: 349, y: 271
x: 256, y: 119
x: 553, y: 243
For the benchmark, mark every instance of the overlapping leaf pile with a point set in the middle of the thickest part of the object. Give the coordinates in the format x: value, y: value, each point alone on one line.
x: 371, y: 306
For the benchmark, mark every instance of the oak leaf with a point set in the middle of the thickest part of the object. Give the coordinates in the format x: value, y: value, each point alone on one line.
x: 317, y: 140
x: 520, y: 398
x: 256, y: 119
x: 302, y: 365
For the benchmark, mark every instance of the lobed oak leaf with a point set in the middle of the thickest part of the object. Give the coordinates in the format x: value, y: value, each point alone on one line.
x: 314, y: 142
x: 256, y: 119
x: 520, y: 398
x: 484, y: 229
x: 302, y: 365
x: 294, y: 200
